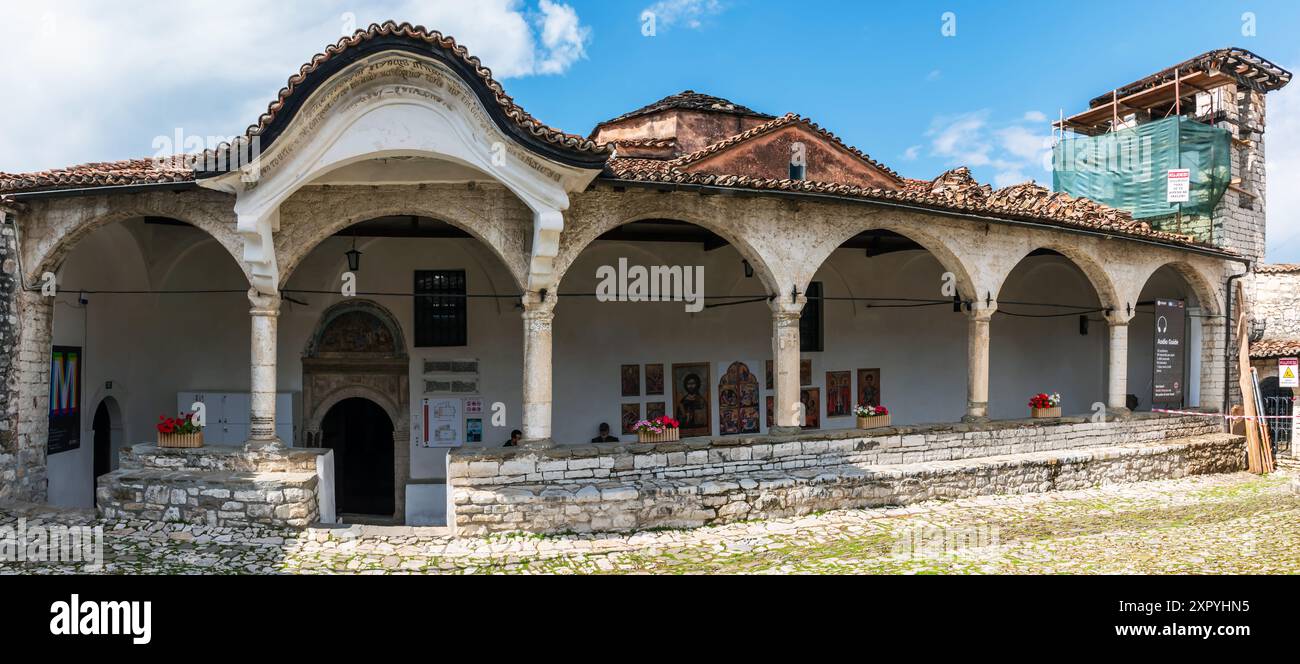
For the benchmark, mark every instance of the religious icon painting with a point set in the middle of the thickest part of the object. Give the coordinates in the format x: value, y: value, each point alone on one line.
x: 771, y: 414
x: 868, y: 387
x: 805, y: 373
x: 630, y: 416
x: 839, y: 394
x: 630, y: 378
x: 654, y: 380
x: 655, y: 409
x: 811, y: 398
x: 769, y: 383
x: 737, y: 401
x: 691, y: 405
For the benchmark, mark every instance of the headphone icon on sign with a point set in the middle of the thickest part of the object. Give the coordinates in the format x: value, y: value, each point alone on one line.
x: 1162, y: 325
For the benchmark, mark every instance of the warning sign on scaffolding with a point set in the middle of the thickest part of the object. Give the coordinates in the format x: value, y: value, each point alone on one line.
x: 1167, y: 385
x: 1179, y: 189
x: 1288, y: 372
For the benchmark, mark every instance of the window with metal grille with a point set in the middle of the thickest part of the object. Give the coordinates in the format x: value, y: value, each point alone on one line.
x: 810, y: 323
x: 440, y: 318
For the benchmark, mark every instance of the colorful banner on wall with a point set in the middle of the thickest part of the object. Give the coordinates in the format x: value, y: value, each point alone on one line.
x: 65, y: 400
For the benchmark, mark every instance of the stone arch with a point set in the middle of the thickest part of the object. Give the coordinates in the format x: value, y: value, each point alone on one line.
x: 312, y: 217
x: 933, y: 243
x: 394, y: 347
x: 395, y: 412
x: 586, y: 230
x: 376, y: 369
x: 1092, y: 270
x: 1206, y: 294
x: 54, y: 229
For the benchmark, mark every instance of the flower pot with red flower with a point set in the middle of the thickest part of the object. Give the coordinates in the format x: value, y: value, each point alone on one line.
x: 1043, y: 406
x: 180, y: 432
x: 872, y: 417
x: 659, y: 430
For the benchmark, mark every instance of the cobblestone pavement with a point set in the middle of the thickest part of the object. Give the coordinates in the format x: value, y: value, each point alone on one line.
x: 1220, y: 524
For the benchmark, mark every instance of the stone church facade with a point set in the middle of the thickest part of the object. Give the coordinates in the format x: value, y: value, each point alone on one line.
x: 472, y: 235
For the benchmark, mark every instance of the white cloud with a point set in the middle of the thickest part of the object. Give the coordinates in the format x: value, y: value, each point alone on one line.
x: 911, y: 153
x: 92, y: 81
x: 962, y: 139
x: 934, y: 75
x: 1035, y: 116
x: 1282, y: 147
x: 1015, y: 152
x: 690, y: 13
x: 564, y: 37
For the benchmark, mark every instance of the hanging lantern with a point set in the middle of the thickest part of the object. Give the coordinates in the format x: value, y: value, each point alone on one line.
x: 749, y: 270
x: 354, y: 257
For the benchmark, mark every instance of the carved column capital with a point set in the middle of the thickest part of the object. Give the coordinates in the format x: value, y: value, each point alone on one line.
x: 263, y: 304
x: 982, y: 313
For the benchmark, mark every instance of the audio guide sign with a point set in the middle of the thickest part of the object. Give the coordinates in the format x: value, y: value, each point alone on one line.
x: 1171, y: 323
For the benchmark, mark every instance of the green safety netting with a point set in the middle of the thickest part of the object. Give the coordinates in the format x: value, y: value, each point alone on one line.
x: 1128, y: 169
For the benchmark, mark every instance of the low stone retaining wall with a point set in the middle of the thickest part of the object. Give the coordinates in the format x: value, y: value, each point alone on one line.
x: 220, y: 486
x: 699, y: 482
x: 212, y: 498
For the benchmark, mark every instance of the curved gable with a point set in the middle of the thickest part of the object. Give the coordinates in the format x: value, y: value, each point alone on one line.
x: 510, y: 118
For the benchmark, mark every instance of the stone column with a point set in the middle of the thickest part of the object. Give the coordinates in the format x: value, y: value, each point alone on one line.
x: 265, y: 314
x: 785, y: 365
x: 1117, y: 373
x: 977, y: 364
x: 539, y: 314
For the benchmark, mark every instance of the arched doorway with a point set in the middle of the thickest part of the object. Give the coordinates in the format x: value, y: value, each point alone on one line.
x: 355, y: 364
x: 102, y: 427
x: 361, y: 435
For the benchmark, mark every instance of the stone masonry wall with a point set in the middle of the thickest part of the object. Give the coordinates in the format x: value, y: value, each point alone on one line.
x: 22, y: 464
x: 1277, y: 302
x: 214, y: 486
x: 683, y: 484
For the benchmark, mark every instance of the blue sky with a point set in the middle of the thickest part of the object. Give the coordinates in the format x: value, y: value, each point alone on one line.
x: 879, y: 74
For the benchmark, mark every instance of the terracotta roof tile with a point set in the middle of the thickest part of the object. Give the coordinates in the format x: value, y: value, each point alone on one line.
x: 954, y: 191
x: 447, y: 43
x: 1279, y: 268
x: 101, y: 174
x: 783, y: 121
x: 1262, y: 74
x: 692, y: 101
x: 645, y: 142
x: 1271, y: 348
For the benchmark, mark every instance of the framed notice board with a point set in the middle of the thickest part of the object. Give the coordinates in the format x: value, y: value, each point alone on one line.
x: 65, y: 399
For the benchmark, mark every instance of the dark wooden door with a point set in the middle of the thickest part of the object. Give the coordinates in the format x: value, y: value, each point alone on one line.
x: 361, y: 435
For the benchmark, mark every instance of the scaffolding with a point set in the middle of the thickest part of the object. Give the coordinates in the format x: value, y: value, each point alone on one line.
x: 1124, y: 149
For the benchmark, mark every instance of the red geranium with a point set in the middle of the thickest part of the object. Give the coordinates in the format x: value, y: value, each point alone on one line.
x: 184, y: 424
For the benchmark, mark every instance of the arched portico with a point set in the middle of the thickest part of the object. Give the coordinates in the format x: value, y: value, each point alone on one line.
x: 401, y: 94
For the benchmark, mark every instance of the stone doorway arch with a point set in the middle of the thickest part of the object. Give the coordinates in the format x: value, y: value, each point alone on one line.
x: 358, y: 352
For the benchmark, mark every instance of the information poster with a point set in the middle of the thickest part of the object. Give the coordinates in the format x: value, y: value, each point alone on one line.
x: 443, y: 423
x: 1167, y: 383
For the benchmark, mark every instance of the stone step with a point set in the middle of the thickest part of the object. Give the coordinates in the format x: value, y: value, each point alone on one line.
x: 213, y: 498
x: 695, y: 502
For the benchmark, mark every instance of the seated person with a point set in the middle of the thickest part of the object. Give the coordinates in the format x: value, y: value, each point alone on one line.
x: 604, y: 436
x: 516, y: 437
